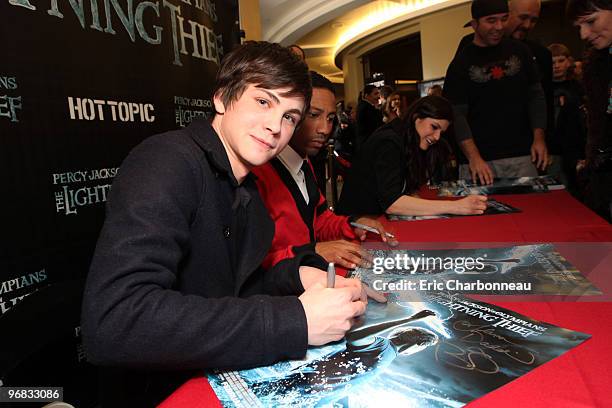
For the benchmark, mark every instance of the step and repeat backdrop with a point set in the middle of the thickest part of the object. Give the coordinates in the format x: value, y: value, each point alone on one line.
x: 81, y: 83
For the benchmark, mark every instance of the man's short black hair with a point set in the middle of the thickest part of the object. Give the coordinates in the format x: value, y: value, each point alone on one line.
x: 368, y: 89
x: 297, y: 50
x: 319, y: 81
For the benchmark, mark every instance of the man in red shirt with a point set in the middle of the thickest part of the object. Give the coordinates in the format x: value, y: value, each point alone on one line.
x: 302, y: 219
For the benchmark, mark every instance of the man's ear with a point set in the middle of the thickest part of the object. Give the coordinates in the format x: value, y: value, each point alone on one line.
x: 218, y: 104
x: 474, y: 24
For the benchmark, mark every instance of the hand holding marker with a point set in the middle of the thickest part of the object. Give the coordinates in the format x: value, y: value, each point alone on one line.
x: 370, y: 229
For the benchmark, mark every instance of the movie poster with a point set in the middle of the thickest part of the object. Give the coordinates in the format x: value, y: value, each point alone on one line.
x: 521, y: 185
x: 494, y: 207
x: 518, y: 270
x: 81, y: 84
x: 442, y: 352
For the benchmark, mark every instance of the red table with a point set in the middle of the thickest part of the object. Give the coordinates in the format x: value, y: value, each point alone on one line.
x: 581, y: 377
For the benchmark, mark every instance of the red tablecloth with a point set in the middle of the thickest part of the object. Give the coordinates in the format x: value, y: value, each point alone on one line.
x: 580, y: 378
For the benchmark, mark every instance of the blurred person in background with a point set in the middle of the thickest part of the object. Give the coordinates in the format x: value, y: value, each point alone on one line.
x: 391, y: 107
x: 568, y: 133
x: 594, y: 19
x: 369, y: 116
x: 435, y: 90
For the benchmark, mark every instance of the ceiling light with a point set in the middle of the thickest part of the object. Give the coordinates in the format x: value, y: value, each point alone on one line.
x: 383, y: 13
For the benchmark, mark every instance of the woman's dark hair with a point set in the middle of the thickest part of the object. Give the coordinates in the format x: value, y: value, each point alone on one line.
x: 579, y: 8
x: 434, y: 163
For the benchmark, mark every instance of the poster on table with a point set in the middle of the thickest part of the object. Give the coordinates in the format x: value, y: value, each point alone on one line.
x: 444, y: 351
x: 518, y: 270
x: 521, y: 185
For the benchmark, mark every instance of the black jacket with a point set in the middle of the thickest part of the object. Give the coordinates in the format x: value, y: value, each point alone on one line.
x: 377, y: 176
x: 368, y: 120
x: 175, y: 282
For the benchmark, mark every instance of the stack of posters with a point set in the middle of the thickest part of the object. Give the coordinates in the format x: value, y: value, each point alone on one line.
x: 444, y: 351
x: 522, y: 185
x: 494, y: 207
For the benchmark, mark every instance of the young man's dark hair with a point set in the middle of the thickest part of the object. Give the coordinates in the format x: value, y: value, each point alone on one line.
x: 267, y: 65
x: 319, y: 81
x: 558, y: 50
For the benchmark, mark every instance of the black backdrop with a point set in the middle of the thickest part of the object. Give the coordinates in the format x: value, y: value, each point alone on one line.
x: 82, y: 83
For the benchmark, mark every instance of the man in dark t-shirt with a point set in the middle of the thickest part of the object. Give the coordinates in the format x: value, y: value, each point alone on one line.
x: 498, y: 99
x: 523, y: 17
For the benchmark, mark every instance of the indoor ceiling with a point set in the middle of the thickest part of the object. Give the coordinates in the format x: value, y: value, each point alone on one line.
x: 323, y: 28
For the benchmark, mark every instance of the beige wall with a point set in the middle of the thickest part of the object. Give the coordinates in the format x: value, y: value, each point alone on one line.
x: 250, y: 19
x: 440, y: 36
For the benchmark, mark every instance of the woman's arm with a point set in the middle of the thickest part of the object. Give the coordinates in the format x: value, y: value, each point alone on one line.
x: 408, y: 205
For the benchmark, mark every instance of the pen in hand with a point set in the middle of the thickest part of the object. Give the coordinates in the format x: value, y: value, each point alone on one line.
x: 370, y: 229
x: 331, y: 275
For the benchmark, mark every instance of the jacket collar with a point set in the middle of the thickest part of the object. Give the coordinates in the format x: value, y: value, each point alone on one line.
x: 205, y: 136
x: 292, y: 161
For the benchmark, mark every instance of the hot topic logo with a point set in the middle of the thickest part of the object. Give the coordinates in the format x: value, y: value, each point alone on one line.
x: 69, y: 199
x: 100, y: 109
x: 9, y: 104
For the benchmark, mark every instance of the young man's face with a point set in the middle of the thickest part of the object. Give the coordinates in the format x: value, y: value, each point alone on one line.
x: 257, y: 126
x: 489, y: 30
x: 524, y: 15
x: 318, y: 124
x: 561, y: 64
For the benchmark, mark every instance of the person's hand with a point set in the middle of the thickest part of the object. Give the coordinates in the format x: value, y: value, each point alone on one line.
x: 539, y: 151
x: 580, y: 165
x: 344, y: 253
x: 330, y: 312
x: 372, y: 293
x: 310, y: 276
x: 480, y: 171
x: 374, y: 223
x: 470, y: 205
x: 366, y: 291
